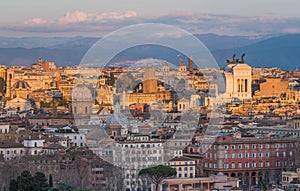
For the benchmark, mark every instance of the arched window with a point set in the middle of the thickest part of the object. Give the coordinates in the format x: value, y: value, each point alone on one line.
x: 239, y: 85
x: 246, y: 85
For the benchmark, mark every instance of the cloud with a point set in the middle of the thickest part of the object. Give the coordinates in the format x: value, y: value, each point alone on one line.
x: 291, y: 30
x: 80, y: 16
x: 35, y: 21
x: 102, y: 23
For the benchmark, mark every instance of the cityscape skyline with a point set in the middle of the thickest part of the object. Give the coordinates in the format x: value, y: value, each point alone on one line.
x: 139, y: 95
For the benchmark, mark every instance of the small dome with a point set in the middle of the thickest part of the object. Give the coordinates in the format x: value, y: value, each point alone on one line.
x: 81, y: 93
x: 20, y: 84
x: 117, y: 118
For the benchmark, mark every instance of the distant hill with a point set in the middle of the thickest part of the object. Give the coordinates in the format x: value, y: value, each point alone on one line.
x: 281, y: 51
x: 67, y: 52
x: 216, y: 42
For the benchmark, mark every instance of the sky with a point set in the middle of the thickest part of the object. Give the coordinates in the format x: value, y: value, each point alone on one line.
x: 100, y: 17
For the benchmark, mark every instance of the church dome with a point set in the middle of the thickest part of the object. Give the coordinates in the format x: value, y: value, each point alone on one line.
x: 21, y: 84
x: 81, y: 93
x: 117, y: 118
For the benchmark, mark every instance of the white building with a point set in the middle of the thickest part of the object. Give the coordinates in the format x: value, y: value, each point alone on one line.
x: 4, y: 128
x: 78, y: 139
x: 11, y: 150
x: 135, y: 153
x: 238, y: 81
x: 34, y: 145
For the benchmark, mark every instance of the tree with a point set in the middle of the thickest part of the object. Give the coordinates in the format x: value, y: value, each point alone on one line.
x: 40, y: 181
x: 25, y: 181
x: 64, y: 187
x: 156, y: 174
x: 50, y: 181
x: 13, y: 185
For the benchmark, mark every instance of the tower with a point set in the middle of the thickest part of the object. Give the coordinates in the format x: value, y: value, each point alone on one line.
x: 190, y: 64
x: 165, y: 69
x: 181, y: 70
x: 150, y: 82
x: 9, y: 81
x: 182, y: 67
x: 3, y: 79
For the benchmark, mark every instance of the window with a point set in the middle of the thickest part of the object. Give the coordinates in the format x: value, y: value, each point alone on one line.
x: 260, y: 155
x: 232, y: 147
x: 253, y: 155
x: 277, y: 146
x: 253, y: 146
x: 191, y: 175
x: 260, y: 146
x: 284, y: 145
x: 267, y: 146
x: 246, y: 147
x: 267, y: 155
x: 240, y: 155
x: 277, y: 154
x: 291, y: 153
x: 185, y: 168
x: 233, y: 155
x: 232, y: 165
x: 283, y: 154
x: 240, y: 165
x: 247, y: 165
x: 260, y: 164
x: 253, y: 164
x: 277, y: 163
x: 247, y: 155
x: 225, y: 165
x: 226, y: 147
x: 267, y: 164
x: 225, y: 156
x: 240, y: 146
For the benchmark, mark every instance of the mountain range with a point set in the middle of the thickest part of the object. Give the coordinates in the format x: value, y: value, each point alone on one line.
x: 280, y: 51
